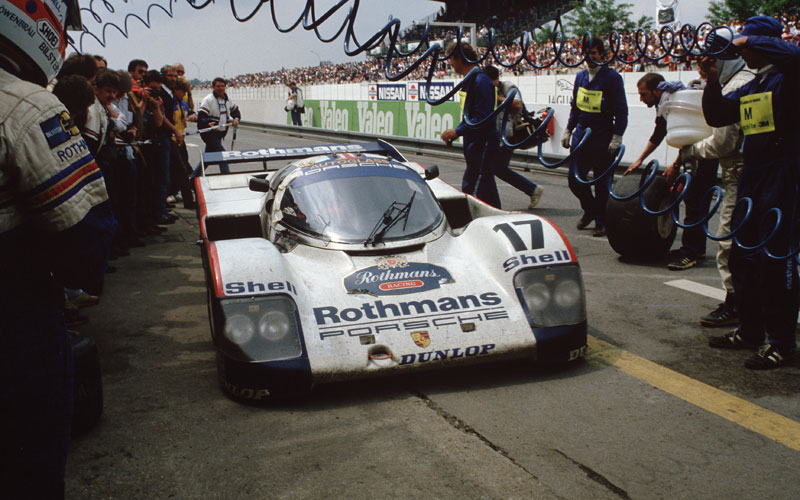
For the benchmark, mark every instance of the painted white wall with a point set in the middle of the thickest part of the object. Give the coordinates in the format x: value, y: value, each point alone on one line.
x: 265, y: 104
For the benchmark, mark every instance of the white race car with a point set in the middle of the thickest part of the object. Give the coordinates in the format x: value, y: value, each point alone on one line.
x: 348, y: 261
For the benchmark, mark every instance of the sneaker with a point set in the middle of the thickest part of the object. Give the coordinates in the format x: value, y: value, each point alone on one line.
x: 599, y: 231
x: 732, y: 340
x: 536, y: 197
x: 585, y: 221
x: 767, y: 358
x: 724, y: 315
x: 682, y: 263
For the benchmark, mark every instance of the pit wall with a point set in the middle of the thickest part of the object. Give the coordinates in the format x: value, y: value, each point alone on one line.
x: 399, y: 108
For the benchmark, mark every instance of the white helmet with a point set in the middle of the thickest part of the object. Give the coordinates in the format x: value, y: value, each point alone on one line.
x: 37, y: 29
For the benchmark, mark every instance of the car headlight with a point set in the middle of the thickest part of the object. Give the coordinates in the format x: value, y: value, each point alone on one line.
x: 261, y: 328
x: 537, y: 296
x: 239, y: 329
x: 274, y: 325
x: 552, y: 296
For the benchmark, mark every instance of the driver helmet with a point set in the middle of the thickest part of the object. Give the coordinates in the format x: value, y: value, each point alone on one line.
x: 33, y: 35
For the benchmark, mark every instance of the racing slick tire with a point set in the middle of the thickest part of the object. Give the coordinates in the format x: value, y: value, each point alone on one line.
x: 87, y: 384
x: 632, y: 232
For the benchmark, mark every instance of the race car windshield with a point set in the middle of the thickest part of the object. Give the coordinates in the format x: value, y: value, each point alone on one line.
x: 343, y: 205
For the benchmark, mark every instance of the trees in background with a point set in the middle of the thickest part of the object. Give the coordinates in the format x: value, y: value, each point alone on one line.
x: 722, y: 11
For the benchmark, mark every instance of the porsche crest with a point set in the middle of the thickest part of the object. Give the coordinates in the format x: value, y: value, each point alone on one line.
x: 421, y: 338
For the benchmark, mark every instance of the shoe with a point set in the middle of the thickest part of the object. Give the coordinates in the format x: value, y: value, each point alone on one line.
x: 83, y: 300
x: 731, y: 340
x: 599, y: 231
x: 171, y: 199
x: 166, y: 219
x: 170, y: 205
x: 682, y: 263
x: 767, y: 358
x: 724, y: 315
x: 584, y: 222
x: 73, y: 318
x: 178, y: 197
x: 536, y: 197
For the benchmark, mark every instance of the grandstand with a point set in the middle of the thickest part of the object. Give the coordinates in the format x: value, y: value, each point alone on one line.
x: 509, y: 18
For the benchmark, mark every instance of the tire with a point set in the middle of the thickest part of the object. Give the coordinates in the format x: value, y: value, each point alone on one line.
x: 632, y: 232
x: 87, y: 385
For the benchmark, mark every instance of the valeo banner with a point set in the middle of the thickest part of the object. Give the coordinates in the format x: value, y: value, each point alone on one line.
x: 412, y: 119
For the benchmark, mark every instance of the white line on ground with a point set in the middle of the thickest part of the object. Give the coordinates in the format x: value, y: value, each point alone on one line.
x: 698, y: 288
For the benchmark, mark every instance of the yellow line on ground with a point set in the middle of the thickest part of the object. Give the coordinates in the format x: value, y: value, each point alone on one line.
x: 750, y: 416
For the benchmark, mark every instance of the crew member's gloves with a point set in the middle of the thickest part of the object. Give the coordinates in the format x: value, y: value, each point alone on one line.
x: 566, y: 138
x: 616, y: 142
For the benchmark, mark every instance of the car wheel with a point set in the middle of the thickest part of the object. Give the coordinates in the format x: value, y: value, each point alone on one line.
x: 87, y: 384
x: 632, y: 232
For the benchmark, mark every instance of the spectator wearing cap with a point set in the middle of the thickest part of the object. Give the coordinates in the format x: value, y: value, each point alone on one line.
x: 766, y: 284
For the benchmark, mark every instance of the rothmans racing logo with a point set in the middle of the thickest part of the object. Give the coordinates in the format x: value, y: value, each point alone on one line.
x: 394, y: 275
x: 379, y: 317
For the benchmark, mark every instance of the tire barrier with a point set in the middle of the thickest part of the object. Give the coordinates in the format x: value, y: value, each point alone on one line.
x: 688, y: 40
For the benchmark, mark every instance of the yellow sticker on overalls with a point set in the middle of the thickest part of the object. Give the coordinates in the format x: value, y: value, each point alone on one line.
x: 756, y: 113
x: 462, y: 97
x: 589, y: 100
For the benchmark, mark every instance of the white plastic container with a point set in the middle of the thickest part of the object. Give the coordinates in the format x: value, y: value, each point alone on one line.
x: 686, y: 124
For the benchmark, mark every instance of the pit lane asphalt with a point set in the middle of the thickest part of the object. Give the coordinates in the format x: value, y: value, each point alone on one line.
x: 648, y: 416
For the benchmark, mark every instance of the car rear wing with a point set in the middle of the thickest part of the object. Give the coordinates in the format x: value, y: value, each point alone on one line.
x: 267, y: 154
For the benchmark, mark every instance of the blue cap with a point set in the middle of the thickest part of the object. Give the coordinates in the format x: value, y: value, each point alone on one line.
x: 763, y: 26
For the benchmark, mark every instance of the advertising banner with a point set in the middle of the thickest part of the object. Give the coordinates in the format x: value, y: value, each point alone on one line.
x: 392, y: 92
x: 385, y: 118
x: 419, y: 91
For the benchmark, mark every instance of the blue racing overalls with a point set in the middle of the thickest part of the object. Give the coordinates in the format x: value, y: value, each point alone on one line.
x: 599, y: 104
x: 767, y: 108
x: 481, y: 144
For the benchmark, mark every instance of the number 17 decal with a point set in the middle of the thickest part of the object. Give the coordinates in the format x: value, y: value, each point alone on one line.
x: 517, y: 240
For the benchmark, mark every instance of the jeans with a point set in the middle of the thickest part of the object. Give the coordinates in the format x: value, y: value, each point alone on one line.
x: 502, y: 172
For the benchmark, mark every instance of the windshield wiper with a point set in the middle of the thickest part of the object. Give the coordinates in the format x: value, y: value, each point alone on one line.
x: 390, y: 217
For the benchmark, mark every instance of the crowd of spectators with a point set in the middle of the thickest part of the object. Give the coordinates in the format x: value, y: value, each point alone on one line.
x: 506, y: 47
x: 133, y: 122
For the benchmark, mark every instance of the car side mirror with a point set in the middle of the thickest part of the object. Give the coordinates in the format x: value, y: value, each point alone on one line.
x: 431, y: 172
x: 260, y: 185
